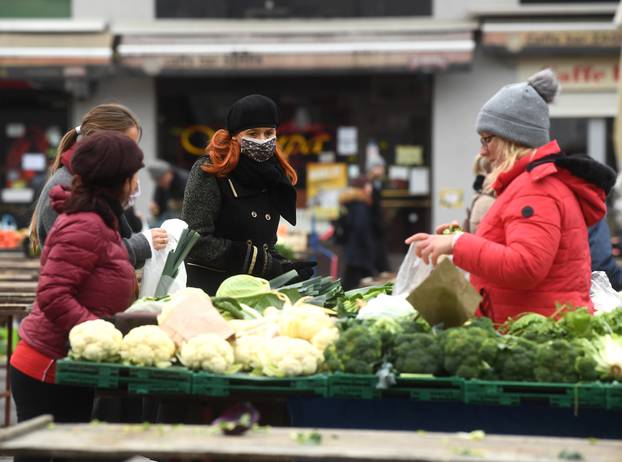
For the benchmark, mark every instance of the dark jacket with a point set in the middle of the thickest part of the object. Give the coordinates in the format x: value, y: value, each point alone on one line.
x: 238, y: 228
x: 138, y: 248
x: 600, y: 249
x: 359, y: 236
x: 85, y: 274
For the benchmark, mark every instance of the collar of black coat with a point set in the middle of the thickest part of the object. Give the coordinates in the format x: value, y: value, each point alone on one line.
x: 283, y: 195
x: 582, y: 166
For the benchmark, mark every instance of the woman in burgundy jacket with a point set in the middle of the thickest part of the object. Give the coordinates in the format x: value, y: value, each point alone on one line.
x: 85, y: 274
x: 531, y: 250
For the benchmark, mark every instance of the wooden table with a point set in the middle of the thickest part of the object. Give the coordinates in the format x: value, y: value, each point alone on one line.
x: 183, y: 442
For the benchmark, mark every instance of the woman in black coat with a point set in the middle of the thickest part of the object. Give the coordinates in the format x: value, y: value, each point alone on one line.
x: 235, y: 196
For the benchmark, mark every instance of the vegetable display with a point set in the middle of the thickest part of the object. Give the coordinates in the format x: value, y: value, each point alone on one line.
x: 260, y: 327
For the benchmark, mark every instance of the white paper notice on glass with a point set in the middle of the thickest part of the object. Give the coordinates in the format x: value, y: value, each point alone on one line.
x: 347, y: 141
x: 419, y: 184
x: 34, y: 161
x: 397, y: 172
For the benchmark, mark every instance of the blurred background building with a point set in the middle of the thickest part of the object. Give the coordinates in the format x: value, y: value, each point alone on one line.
x: 359, y: 83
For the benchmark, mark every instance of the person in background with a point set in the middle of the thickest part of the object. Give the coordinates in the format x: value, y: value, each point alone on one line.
x: 601, y: 252
x: 85, y: 275
x: 169, y: 192
x: 358, y: 234
x: 376, y: 176
x: 530, y: 252
x: 235, y: 197
x: 105, y: 117
x: 482, y: 200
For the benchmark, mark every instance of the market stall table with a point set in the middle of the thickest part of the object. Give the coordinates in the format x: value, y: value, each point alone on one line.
x: 41, y: 437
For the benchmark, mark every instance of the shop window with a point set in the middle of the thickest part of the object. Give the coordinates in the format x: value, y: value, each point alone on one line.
x: 35, y: 9
x: 31, y: 125
x: 290, y: 8
x: 379, y: 117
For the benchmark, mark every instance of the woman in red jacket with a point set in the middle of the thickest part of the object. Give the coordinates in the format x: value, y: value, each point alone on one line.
x: 531, y: 250
x: 85, y: 274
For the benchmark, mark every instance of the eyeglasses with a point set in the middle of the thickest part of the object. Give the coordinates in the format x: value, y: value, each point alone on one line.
x: 485, y: 140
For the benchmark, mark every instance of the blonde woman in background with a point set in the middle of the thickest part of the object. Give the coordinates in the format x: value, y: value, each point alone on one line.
x: 483, y: 199
x: 104, y: 117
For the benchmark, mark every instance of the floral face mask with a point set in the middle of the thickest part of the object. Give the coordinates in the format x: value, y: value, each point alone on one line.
x: 259, y: 151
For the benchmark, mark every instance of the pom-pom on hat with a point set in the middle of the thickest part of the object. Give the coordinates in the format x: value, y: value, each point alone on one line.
x: 107, y: 159
x: 251, y: 112
x: 519, y: 112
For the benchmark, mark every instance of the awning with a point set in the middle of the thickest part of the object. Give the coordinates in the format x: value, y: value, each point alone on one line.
x: 55, y: 44
x: 292, y: 45
x: 545, y: 37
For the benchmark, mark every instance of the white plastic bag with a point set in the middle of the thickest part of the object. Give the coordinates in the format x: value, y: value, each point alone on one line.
x: 155, y: 265
x: 412, y: 272
x: 386, y: 306
x: 604, y: 298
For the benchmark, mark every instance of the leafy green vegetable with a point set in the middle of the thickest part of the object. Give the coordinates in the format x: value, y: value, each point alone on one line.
x: 309, y: 438
x: 535, y: 327
x: 243, y: 286
x: 174, y: 259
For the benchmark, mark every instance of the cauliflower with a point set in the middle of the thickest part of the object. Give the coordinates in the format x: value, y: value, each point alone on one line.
x: 325, y: 337
x: 246, y: 351
x: 303, y: 321
x: 207, y: 352
x: 96, y: 340
x: 147, y: 346
x: 285, y: 356
x: 608, y: 357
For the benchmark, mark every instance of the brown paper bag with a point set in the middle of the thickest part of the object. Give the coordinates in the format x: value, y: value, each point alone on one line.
x: 192, y: 313
x: 445, y: 296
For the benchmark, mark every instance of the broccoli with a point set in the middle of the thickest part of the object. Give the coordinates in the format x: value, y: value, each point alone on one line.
x: 535, y: 327
x: 516, y: 359
x: 358, y: 350
x: 387, y: 329
x: 418, y: 353
x: 585, y: 363
x: 416, y: 325
x: 556, y: 361
x: 470, y: 352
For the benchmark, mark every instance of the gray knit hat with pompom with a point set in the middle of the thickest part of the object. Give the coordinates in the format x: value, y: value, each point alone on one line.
x: 519, y: 112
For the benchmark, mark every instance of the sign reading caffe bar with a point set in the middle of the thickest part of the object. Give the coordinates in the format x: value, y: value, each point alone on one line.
x: 578, y: 73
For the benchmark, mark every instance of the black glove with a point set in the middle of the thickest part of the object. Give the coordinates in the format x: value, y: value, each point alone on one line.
x: 303, y: 267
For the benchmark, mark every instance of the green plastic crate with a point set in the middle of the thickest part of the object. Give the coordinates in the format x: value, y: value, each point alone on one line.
x: 613, y: 398
x: 507, y: 393
x: 89, y: 374
x: 427, y: 388
x: 205, y: 383
x: 360, y: 386
x: 153, y: 380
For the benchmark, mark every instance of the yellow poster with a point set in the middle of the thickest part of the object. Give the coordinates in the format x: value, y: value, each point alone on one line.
x: 451, y: 198
x: 324, y: 184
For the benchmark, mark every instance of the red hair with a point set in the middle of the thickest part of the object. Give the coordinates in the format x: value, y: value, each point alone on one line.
x: 224, y: 153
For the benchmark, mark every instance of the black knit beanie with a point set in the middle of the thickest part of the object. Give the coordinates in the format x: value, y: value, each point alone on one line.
x: 107, y: 159
x: 251, y: 112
